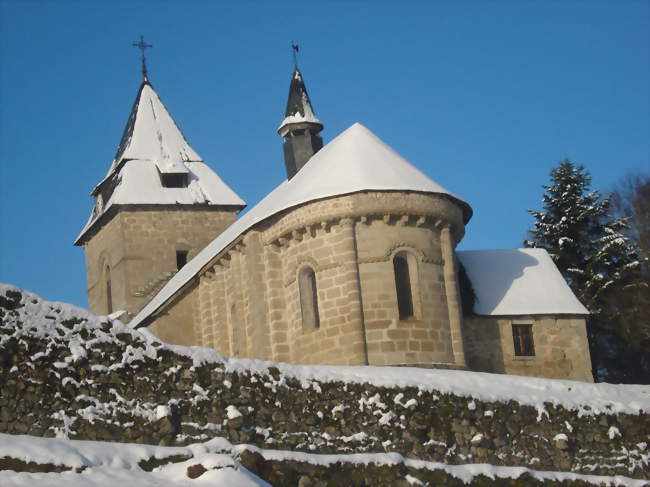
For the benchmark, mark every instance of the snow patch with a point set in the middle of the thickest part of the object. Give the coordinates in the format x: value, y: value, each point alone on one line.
x: 613, y: 432
x: 232, y: 412
x: 162, y: 412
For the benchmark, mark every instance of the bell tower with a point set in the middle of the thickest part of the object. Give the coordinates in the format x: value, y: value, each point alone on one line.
x: 157, y: 207
x: 300, y: 127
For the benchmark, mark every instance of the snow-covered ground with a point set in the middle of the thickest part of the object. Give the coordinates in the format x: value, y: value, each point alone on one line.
x: 109, y: 464
x: 112, y: 464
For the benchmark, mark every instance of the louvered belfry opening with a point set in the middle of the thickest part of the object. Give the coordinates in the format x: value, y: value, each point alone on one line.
x: 174, y: 180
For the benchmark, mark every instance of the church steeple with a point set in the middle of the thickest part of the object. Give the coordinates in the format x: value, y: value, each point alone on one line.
x: 157, y: 207
x: 300, y: 127
x: 155, y: 165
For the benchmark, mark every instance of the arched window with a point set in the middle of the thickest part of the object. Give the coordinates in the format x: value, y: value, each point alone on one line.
x: 308, y: 298
x: 109, y: 293
x: 403, y: 285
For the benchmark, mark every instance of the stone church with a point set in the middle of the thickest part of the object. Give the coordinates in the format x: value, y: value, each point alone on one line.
x: 351, y: 260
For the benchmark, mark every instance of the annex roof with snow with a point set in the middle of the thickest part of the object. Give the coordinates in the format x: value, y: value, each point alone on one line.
x: 155, y: 165
x: 518, y: 282
x: 356, y: 160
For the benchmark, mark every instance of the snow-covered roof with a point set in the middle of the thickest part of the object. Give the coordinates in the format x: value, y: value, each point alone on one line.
x: 152, y: 145
x: 139, y: 183
x: 518, y: 282
x: 299, y: 109
x: 356, y: 160
x: 151, y: 134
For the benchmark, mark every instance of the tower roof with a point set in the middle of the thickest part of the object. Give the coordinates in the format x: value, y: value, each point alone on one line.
x: 299, y: 109
x: 356, y: 160
x: 152, y: 146
x: 151, y: 134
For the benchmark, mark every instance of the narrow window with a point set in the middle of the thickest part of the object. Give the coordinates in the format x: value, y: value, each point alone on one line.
x: 181, y: 258
x: 403, y: 286
x: 238, y: 332
x: 523, y: 338
x: 174, y: 180
x: 308, y: 298
x: 109, y: 293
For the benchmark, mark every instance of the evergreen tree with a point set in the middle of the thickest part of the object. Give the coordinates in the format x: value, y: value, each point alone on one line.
x: 631, y: 199
x: 597, y: 259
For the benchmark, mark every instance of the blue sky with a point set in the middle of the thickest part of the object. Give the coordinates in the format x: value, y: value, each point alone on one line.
x: 484, y: 96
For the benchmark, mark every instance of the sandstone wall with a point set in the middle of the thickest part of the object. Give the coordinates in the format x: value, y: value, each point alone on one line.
x: 561, y: 346
x: 178, y: 324
x: 249, y: 302
x: 139, y: 245
x: 424, y: 338
x: 106, y: 249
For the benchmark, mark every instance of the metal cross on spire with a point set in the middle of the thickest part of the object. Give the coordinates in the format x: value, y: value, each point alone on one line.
x: 142, y: 45
x: 295, y: 48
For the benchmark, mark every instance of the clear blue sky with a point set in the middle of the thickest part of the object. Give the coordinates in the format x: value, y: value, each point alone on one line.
x: 484, y: 96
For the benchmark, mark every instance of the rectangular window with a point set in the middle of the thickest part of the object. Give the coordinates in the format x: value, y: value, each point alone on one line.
x: 523, y: 339
x: 181, y: 258
x: 174, y: 180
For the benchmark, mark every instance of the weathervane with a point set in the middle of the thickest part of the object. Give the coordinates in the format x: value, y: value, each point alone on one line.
x: 295, y: 48
x: 143, y: 46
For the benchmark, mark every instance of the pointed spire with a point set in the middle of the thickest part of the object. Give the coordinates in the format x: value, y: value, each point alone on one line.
x: 155, y: 165
x: 152, y: 134
x: 300, y: 126
x: 299, y: 108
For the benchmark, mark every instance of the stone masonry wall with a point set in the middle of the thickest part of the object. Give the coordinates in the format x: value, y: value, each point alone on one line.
x: 106, y: 249
x: 79, y: 376
x: 424, y: 338
x: 178, y: 324
x: 561, y: 346
x: 248, y: 298
x: 139, y: 245
x: 252, y: 305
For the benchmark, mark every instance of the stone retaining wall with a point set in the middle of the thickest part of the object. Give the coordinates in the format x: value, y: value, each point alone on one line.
x: 85, y: 379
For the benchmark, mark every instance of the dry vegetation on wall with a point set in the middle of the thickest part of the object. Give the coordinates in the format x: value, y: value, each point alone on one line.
x: 66, y: 373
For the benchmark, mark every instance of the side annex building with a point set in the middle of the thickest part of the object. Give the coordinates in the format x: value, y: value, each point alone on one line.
x: 349, y: 261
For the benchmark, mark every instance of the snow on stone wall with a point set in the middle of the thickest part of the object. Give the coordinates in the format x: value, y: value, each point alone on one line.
x: 66, y: 373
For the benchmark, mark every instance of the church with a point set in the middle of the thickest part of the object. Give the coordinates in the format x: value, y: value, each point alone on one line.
x: 351, y: 260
